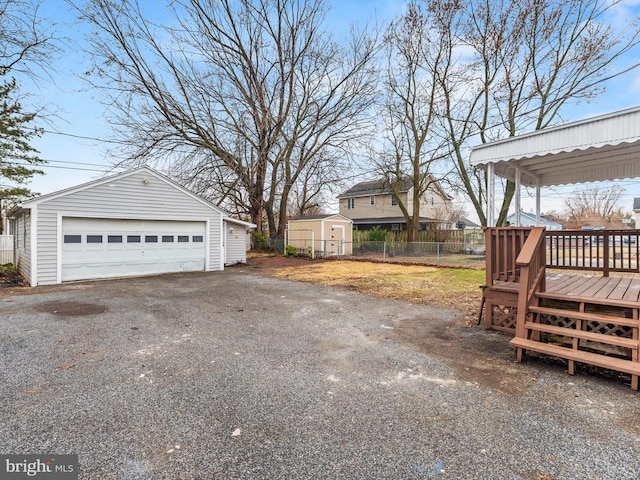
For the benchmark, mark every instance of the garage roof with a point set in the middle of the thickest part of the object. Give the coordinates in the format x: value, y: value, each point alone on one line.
x: 606, y: 147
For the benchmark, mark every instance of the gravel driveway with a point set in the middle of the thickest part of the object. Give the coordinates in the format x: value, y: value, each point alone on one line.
x: 231, y: 375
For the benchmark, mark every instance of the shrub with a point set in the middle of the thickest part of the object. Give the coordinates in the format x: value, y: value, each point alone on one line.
x: 290, y: 251
x: 8, y: 268
x: 376, y: 234
x: 261, y: 242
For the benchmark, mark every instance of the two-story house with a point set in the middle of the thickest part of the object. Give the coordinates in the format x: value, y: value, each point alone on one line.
x: 371, y: 204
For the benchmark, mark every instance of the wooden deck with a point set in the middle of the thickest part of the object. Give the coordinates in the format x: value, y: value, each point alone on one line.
x: 608, y: 290
x: 589, y: 319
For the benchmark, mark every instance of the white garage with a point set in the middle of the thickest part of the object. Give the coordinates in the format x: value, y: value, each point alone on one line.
x: 135, y: 223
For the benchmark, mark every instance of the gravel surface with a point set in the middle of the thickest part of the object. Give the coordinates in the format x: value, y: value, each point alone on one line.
x: 229, y: 375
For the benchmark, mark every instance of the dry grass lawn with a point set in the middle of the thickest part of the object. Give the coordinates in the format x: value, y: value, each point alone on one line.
x: 455, y: 288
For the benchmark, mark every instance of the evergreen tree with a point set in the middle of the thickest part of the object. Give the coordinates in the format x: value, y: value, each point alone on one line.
x: 18, y: 158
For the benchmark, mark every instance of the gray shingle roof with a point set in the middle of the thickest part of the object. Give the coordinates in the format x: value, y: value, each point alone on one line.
x: 376, y: 187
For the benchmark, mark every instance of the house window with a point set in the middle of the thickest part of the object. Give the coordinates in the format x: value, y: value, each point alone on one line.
x: 351, y: 203
x: 395, y: 227
x: 73, y: 239
x: 151, y: 239
x: 372, y: 199
x: 94, y: 238
x: 167, y: 238
x: 114, y: 239
x: 197, y: 238
x: 183, y: 238
x: 133, y: 238
x: 394, y: 200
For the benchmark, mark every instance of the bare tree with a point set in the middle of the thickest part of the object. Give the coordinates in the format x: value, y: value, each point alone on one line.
x: 595, y: 205
x: 250, y: 94
x: 26, y: 39
x: 523, y: 62
x: 417, y: 49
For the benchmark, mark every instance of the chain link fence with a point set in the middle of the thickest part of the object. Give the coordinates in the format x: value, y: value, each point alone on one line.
x: 445, y: 254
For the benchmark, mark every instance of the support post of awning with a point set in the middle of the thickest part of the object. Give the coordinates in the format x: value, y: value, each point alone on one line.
x: 491, y: 196
x: 518, y: 203
x: 538, y: 218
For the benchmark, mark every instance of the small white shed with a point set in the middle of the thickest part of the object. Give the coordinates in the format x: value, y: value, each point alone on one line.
x: 327, y: 235
x: 134, y: 223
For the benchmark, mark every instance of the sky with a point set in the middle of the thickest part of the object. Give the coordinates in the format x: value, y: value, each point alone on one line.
x: 72, y: 141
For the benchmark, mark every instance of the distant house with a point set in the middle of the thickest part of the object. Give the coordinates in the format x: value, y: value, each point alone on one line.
x: 529, y: 220
x: 371, y: 204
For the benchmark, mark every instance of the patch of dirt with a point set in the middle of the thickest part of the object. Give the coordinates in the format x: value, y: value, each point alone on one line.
x: 418, y: 284
x: 479, y: 355
x: 71, y: 309
x: 10, y: 278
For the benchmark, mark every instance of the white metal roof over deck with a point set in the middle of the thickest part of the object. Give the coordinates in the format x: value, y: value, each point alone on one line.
x: 602, y: 148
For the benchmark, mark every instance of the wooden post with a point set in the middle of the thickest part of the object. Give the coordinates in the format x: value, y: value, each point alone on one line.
x: 605, y: 256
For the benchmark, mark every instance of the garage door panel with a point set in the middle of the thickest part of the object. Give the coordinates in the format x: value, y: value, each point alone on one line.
x: 104, y: 248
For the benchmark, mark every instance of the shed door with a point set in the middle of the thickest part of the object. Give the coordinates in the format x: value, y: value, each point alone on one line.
x: 103, y: 248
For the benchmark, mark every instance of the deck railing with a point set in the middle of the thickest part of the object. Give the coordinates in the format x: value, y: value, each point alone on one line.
x: 503, y: 247
x: 594, y: 250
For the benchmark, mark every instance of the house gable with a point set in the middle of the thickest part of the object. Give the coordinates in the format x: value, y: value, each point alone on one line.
x: 137, y: 178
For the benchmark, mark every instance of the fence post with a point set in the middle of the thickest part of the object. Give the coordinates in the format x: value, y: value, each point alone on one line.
x: 384, y: 250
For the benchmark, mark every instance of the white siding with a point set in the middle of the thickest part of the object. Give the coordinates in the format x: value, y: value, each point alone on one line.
x: 23, y: 245
x: 139, y: 195
x: 235, y: 244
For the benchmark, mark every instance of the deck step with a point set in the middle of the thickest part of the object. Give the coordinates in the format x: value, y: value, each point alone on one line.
x: 591, y: 336
x: 508, y: 288
x: 590, y: 317
x: 588, y: 300
x: 612, y: 363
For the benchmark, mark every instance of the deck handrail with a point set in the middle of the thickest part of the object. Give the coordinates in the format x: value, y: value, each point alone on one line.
x: 595, y: 250
x: 532, y: 261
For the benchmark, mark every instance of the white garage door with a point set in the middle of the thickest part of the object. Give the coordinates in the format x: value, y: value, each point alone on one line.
x: 103, y: 248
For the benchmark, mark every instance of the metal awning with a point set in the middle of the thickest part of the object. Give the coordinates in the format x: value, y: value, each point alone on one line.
x: 602, y: 148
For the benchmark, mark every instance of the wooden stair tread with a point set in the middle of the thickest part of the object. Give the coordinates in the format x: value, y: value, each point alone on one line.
x: 510, y: 287
x: 612, y: 363
x: 588, y: 300
x: 592, y: 336
x: 590, y: 317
